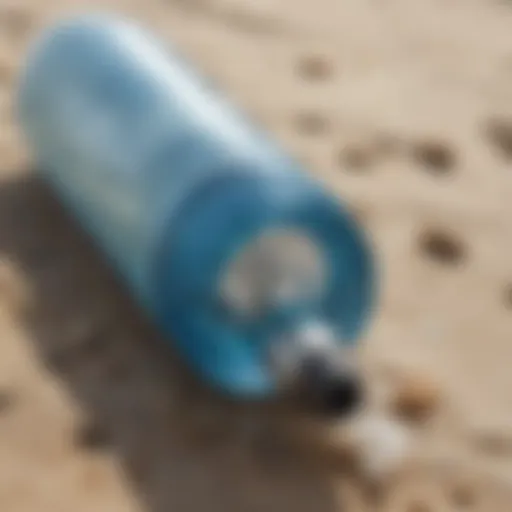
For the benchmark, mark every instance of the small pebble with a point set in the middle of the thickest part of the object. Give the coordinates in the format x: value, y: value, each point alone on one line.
x: 416, y: 398
x: 498, y: 132
x: 383, y: 445
x: 507, y: 296
x: 15, y: 20
x: 442, y: 247
x: 462, y: 494
x: 373, y: 447
x: 315, y: 67
x: 361, y: 155
x: 495, y: 440
x: 356, y: 157
x: 436, y: 156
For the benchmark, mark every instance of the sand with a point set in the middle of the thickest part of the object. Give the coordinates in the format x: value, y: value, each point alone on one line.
x: 404, y: 108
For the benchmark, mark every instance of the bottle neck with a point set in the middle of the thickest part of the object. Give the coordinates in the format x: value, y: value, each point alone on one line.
x: 299, y: 340
x: 308, y: 363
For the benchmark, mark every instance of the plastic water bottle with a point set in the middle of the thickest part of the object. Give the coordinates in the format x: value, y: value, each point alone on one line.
x: 246, y: 264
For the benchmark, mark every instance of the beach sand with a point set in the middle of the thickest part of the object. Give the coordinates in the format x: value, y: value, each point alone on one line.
x: 404, y: 108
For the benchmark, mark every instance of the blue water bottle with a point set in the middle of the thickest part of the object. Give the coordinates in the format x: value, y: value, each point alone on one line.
x: 255, y: 272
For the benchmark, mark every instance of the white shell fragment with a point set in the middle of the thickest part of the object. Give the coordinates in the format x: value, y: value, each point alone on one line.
x: 382, y: 445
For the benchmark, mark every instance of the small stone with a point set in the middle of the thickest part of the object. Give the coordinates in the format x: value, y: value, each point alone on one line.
x: 15, y: 20
x: 371, y: 446
x: 462, y: 494
x: 383, y: 445
x: 493, y: 439
x: 416, y: 398
x: 436, y: 156
x: 442, y: 247
x: 356, y: 157
x: 498, y: 132
x: 315, y: 67
x: 507, y: 296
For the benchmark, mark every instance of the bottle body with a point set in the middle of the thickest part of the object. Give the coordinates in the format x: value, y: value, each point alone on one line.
x: 175, y: 187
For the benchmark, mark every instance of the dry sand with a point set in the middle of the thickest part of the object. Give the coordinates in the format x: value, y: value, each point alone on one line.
x: 404, y: 107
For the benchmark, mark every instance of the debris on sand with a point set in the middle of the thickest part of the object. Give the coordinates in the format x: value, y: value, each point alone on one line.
x: 416, y: 398
x: 374, y: 447
x: 383, y: 446
x: 492, y: 437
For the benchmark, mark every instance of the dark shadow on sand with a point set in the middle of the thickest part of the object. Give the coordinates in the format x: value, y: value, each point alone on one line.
x: 183, y: 448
